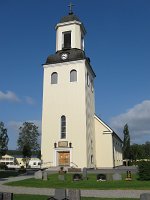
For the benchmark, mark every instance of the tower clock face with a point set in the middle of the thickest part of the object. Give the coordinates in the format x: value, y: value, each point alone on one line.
x: 64, y: 56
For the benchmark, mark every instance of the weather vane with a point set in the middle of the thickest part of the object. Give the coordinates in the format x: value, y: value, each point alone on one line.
x: 70, y: 8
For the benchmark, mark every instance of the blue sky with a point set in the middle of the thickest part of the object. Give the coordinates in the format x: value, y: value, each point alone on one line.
x: 117, y: 42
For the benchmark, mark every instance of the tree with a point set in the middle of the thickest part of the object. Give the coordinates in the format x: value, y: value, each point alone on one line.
x: 28, y: 140
x: 26, y: 152
x: 144, y: 172
x: 147, y: 150
x: 137, y: 152
x: 3, y: 139
x: 140, y: 151
x: 126, y: 143
x: 28, y: 136
x: 134, y: 151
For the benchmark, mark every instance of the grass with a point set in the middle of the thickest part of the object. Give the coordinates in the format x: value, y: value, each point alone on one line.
x: 91, y: 183
x: 38, y: 197
x: 29, y: 197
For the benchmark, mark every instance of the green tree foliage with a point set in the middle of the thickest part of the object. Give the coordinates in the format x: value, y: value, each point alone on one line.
x: 28, y: 140
x: 27, y: 153
x: 144, y: 170
x: 16, y: 152
x: 147, y: 150
x: 134, y: 152
x: 3, y: 139
x: 126, y: 143
x: 28, y: 136
x: 140, y: 151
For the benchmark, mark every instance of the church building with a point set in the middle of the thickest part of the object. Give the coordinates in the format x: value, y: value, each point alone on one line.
x: 72, y: 135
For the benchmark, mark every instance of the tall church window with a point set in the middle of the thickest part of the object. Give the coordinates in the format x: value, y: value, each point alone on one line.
x: 54, y: 78
x: 92, y: 86
x: 88, y: 79
x: 63, y: 127
x: 66, y: 40
x: 82, y: 43
x: 91, y: 159
x: 73, y: 75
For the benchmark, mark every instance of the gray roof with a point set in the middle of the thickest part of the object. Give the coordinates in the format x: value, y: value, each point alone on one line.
x: 70, y: 17
x: 73, y: 54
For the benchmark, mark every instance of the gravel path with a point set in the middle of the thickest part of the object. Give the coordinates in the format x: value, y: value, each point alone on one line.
x: 85, y: 193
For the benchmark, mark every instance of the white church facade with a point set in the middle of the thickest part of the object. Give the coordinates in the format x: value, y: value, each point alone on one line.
x: 72, y: 135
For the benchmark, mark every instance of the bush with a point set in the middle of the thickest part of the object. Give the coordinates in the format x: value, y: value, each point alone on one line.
x: 3, y: 166
x: 22, y: 170
x: 144, y: 170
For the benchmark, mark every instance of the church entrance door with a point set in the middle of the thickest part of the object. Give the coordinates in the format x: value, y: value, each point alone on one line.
x: 64, y: 158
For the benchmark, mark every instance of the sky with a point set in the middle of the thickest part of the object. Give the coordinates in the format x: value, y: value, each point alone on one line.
x: 117, y: 43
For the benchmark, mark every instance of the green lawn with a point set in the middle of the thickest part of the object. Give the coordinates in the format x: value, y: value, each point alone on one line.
x: 29, y: 197
x: 91, y: 183
x: 38, y: 197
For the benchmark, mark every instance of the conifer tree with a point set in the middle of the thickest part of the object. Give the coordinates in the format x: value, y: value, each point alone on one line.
x: 126, y: 143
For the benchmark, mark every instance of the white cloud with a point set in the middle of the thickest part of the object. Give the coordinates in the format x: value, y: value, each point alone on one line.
x: 9, y: 96
x: 29, y: 100
x: 138, y: 120
x: 12, y: 97
x: 13, y: 131
x: 14, y: 125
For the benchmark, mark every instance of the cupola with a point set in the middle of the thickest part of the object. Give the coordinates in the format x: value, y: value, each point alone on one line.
x: 70, y: 33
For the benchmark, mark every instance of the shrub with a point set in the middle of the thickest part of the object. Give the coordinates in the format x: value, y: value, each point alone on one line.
x: 3, y: 166
x: 144, y: 170
x: 22, y: 170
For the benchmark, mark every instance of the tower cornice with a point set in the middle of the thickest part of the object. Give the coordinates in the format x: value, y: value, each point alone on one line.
x: 71, y: 23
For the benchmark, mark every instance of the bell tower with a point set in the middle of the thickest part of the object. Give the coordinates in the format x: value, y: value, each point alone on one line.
x: 68, y: 99
x: 70, y: 33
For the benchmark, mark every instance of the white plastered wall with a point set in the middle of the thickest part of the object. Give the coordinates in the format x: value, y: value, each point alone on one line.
x: 90, y: 110
x: 104, y: 145
x: 65, y: 98
x: 117, y: 145
x: 108, y: 146
x: 75, y: 29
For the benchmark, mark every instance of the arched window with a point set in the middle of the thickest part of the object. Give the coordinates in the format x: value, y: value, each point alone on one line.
x: 54, y: 78
x: 73, y: 75
x: 63, y: 127
x: 88, y: 79
x: 91, y: 159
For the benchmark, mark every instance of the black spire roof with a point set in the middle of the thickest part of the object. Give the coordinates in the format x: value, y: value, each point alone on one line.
x: 70, y: 17
x: 73, y: 54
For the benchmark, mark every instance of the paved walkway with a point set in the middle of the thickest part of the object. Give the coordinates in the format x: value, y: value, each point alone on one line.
x: 85, y: 193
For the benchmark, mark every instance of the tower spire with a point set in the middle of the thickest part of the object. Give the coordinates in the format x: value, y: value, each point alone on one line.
x: 70, y: 8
